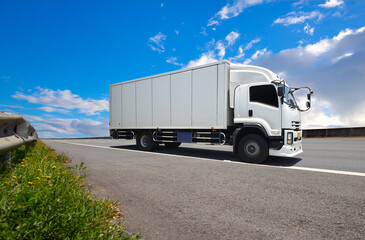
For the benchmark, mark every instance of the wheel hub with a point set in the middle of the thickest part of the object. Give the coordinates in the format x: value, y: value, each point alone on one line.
x: 252, y: 149
x: 144, y: 141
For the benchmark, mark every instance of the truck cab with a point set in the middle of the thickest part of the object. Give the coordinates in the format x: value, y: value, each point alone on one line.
x: 264, y: 108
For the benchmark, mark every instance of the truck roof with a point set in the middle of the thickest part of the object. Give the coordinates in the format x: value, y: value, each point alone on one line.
x: 267, y: 72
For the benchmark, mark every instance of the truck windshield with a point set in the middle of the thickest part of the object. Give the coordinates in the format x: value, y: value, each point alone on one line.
x: 288, y: 97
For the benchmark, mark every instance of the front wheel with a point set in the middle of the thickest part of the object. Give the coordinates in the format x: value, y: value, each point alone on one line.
x: 253, y: 148
x: 145, y: 141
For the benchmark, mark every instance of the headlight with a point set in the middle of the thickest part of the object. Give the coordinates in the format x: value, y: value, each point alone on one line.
x: 289, y: 138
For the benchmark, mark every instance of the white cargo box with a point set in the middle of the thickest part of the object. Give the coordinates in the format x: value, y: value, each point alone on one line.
x: 192, y: 98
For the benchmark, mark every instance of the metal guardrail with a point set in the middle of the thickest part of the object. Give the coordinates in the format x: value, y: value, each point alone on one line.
x: 14, y: 132
x: 335, y: 132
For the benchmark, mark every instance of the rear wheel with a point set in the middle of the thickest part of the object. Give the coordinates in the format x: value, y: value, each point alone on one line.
x: 253, y: 148
x: 172, y: 144
x: 145, y: 141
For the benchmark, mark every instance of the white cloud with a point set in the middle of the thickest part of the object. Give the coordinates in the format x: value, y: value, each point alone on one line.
x: 205, y: 58
x: 216, y: 50
x: 63, y: 100
x: 63, y: 127
x: 52, y: 109
x: 212, y: 22
x: 232, y: 10
x: 337, y: 14
x: 176, y: 31
x: 230, y: 40
x: 346, y: 55
x: 241, y: 51
x: 10, y: 106
x: 334, y: 69
x: 331, y: 3
x: 308, y: 30
x: 204, y: 31
x: 161, y: 4
x: 232, y: 37
x: 221, y: 49
x: 299, y: 3
x: 173, y: 60
x: 251, y: 43
x: 156, y: 42
x: 298, y: 17
x: 326, y: 45
x: 319, y: 116
x: 256, y: 55
x: 240, y: 55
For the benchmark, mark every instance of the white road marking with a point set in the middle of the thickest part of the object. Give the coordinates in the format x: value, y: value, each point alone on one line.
x: 206, y: 159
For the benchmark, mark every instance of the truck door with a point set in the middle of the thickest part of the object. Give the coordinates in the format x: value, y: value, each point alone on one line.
x: 264, y: 104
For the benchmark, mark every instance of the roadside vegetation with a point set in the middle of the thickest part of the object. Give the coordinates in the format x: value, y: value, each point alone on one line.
x: 42, y: 198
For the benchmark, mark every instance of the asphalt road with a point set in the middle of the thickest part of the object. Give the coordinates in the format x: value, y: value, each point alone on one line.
x: 202, y: 192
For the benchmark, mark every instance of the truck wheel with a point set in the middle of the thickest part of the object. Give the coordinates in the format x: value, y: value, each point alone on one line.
x: 145, y: 141
x: 172, y: 144
x: 115, y: 134
x: 253, y: 148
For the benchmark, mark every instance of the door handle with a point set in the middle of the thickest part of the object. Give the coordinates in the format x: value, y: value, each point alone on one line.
x: 250, y: 113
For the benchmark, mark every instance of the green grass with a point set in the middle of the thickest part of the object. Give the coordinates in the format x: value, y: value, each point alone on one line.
x: 42, y: 198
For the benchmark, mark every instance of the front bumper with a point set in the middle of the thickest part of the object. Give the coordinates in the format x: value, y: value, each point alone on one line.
x: 289, y: 150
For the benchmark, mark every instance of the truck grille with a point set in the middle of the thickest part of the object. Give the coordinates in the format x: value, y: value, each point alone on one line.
x: 296, y: 125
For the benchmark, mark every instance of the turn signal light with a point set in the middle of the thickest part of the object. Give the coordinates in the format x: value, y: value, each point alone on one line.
x: 289, y: 138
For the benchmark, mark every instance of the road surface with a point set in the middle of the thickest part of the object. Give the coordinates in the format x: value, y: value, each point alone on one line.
x: 203, y: 192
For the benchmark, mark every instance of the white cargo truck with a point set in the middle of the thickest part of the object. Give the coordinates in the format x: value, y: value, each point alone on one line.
x: 246, y: 106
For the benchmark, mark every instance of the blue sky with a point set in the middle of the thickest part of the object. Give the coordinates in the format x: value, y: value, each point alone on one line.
x: 57, y: 58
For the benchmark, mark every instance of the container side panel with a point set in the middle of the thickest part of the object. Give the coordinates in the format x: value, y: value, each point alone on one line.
x: 205, y: 97
x: 222, y: 101
x: 115, y: 106
x: 181, y: 99
x: 161, y: 101
x: 128, y: 105
x: 144, y: 103
x: 230, y: 110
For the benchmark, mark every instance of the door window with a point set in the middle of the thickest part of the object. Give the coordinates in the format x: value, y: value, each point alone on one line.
x: 265, y: 94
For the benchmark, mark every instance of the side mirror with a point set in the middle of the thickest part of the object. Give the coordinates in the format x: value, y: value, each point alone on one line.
x: 309, y: 96
x: 308, y: 104
x: 281, y: 91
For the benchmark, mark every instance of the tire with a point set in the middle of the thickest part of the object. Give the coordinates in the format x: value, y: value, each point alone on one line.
x: 253, y: 148
x: 115, y: 134
x: 145, y: 141
x: 172, y: 144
